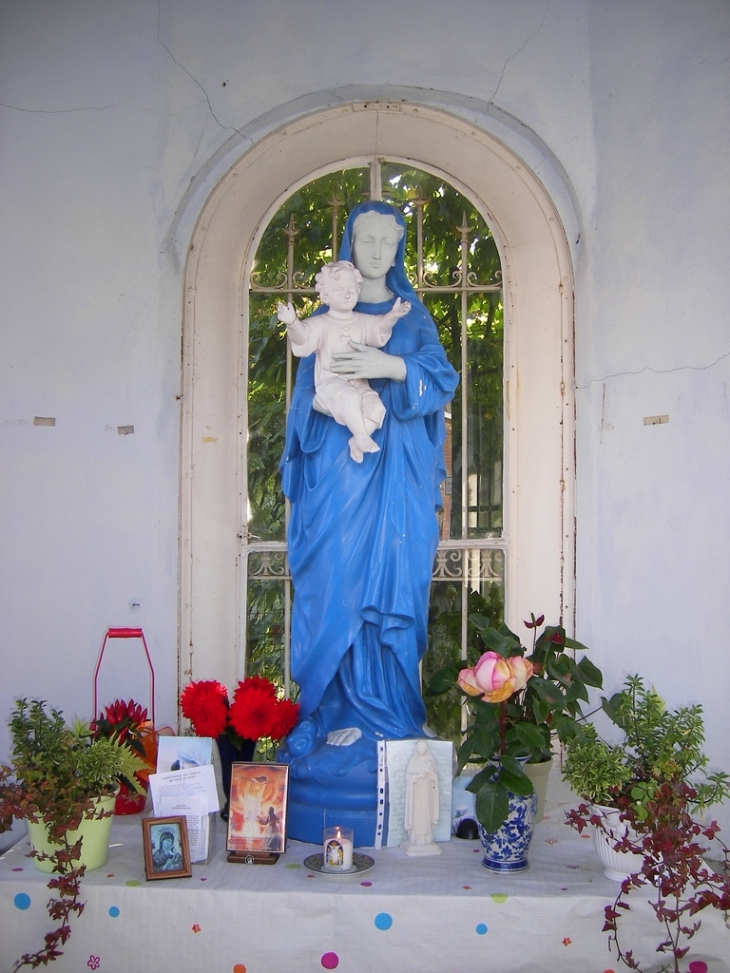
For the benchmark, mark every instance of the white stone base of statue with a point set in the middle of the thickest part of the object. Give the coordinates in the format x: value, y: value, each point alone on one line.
x: 416, y: 850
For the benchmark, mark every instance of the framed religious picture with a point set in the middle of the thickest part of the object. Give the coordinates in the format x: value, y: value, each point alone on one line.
x: 166, y: 851
x: 257, y: 812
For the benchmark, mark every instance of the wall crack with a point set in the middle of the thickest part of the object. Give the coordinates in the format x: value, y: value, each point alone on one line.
x: 521, y: 49
x: 654, y: 371
x: 226, y: 128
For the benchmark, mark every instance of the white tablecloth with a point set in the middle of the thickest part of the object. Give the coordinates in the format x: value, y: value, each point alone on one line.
x: 444, y: 914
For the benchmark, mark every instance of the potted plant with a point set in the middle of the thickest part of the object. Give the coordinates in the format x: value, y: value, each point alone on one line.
x: 256, y: 712
x: 642, y: 794
x: 522, y: 724
x: 126, y: 721
x: 63, y: 782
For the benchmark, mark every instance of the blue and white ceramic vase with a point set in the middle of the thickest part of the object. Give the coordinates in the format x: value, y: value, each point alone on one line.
x: 505, y: 850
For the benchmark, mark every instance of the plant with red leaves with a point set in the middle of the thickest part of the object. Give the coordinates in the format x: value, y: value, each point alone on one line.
x: 126, y: 721
x: 656, y: 778
x: 57, y: 772
x: 672, y: 845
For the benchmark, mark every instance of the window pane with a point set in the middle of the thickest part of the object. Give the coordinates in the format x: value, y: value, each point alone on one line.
x: 266, y: 421
x: 485, y: 360
x: 265, y: 633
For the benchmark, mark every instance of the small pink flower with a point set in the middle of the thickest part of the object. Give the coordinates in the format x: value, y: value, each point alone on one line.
x: 93, y: 962
x: 493, y: 675
x: 195, y: 927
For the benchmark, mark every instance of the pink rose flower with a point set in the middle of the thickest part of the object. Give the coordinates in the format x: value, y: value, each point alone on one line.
x: 495, y: 678
x: 493, y: 675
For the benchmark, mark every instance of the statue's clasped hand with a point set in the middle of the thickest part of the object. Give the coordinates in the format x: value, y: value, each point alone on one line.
x: 367, y: 362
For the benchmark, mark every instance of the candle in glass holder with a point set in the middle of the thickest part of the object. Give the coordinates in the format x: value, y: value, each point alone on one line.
x: 337, y: 848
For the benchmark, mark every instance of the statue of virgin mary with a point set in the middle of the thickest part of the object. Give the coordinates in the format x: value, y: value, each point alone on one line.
x: 362, y: 539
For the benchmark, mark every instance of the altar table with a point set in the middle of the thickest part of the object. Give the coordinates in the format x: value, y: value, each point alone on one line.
x: 444, y: 914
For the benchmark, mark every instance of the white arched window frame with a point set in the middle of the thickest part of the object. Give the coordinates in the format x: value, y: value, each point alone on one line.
x: 538, y: 537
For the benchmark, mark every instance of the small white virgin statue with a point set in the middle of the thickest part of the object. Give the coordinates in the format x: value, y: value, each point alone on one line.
x: 422, y: 803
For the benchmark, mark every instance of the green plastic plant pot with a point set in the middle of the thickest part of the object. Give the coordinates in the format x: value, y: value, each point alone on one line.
x: 94, y: 831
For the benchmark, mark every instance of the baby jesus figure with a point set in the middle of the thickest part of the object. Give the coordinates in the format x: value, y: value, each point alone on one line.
x: 351, y: 402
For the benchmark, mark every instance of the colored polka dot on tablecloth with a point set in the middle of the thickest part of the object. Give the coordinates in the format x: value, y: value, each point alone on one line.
x: 133, y: 883
x: 22, y: 900
x: 467, y: 887
x: 239, y: 968
x: 330, y: 961
x: 697, y: 966
x: 499, y: 897
x: 114, y: 911
x: 18, y: 868
x: 366, y: 885
x: 481, y: 929
x: 383, y: 921
x: 294, y: 865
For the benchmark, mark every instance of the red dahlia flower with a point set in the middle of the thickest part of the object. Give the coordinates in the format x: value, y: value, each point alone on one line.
x: 285, y: 720
x: 253, y: 710
x: 205, y: 704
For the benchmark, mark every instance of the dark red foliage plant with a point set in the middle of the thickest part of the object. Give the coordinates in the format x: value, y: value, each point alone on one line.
x: 680, y: 880
x: 65, y: 883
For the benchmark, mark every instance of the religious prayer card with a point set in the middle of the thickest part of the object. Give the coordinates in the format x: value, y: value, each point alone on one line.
x: 179, y: 753
x: 393, y: 759
x: 182, y: 784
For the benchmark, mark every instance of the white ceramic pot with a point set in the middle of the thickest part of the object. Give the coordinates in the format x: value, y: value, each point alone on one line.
x: 617, y: 865
x: 538, y: 774
x: 93, y: 831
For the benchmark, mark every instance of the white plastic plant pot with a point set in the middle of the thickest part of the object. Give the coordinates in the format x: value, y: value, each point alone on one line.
x: 617, y: 865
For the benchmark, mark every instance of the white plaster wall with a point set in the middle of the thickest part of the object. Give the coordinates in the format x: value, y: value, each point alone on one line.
x: 117, y: 119
x: 653, y: 338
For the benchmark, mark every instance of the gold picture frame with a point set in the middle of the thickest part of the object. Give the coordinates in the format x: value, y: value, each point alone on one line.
x: 166, y: 848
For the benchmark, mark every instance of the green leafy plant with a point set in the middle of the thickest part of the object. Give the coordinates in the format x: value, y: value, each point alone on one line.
x: 57, y: 773
x: 656, y: 777
x: 515, y: 703
x: 658, y: 745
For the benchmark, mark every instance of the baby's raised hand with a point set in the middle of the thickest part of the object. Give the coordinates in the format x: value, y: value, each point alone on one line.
x: 286, y: 313
x: 401, y: 308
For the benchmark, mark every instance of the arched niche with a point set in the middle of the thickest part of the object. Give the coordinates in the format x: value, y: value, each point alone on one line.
x: 539, y: 434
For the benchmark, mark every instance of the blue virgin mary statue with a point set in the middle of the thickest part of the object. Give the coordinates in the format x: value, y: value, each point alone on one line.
x: 362, y: 540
